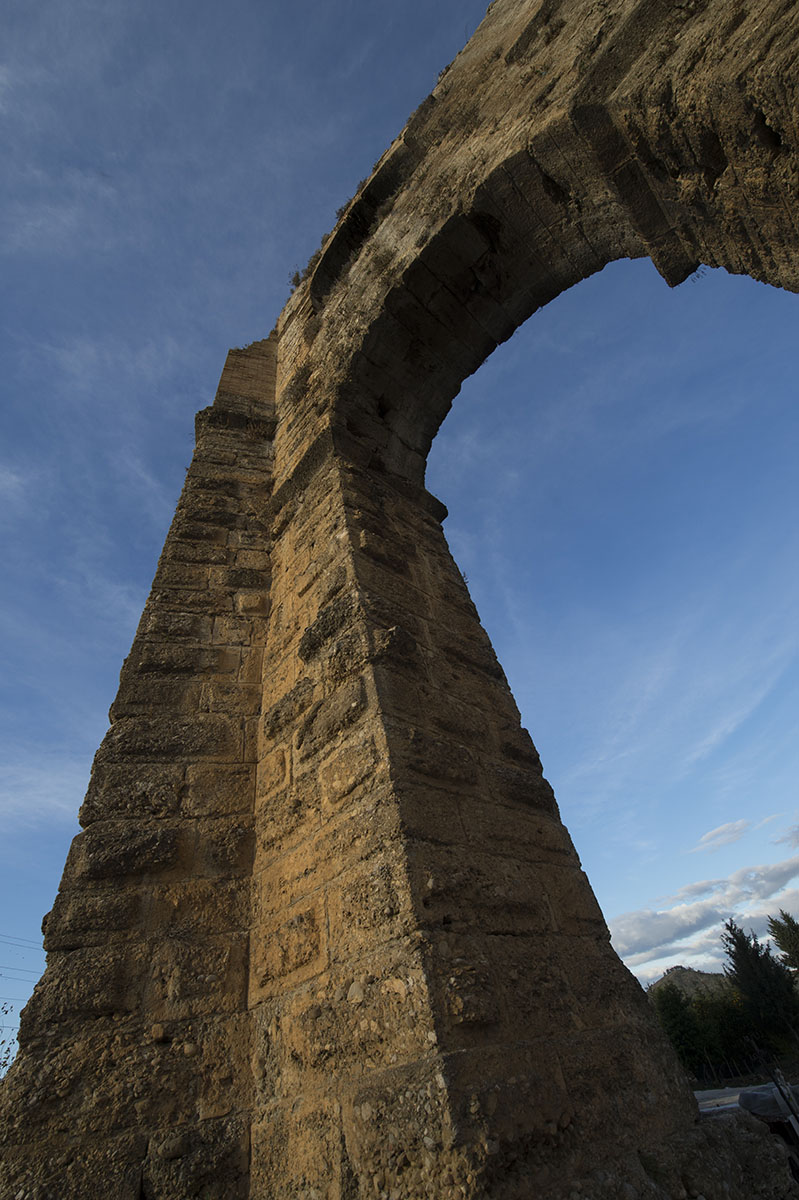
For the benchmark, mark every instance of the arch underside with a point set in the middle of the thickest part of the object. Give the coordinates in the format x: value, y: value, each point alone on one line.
x: 324, y: 933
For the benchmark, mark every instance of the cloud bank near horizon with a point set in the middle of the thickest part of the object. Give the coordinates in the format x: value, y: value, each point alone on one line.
x: 688, y: 928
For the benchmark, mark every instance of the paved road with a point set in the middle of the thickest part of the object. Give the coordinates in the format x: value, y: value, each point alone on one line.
x: 719, y: 1098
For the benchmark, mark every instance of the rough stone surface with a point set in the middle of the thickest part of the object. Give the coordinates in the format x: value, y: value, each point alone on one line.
x: 324, y: 936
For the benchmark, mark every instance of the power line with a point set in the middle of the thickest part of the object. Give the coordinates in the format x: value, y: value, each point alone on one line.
x: 20, y: 948
x: 19, y: 970
x: 13, y: 937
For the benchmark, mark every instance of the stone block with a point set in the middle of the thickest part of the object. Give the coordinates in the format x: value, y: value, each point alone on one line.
x: 198, y: 907
x: 144, y: 694
x: 240, y: 579
x: 289, y: 953
x: 303, y: 862
x: 251, y: 665
x: 331, y: 717
x: 197, y: 552
x: 461, y: 886
x: 354, y: 764
x: 238, y: 630
x: 399, y: 695
x: 161, y: 625
x: 115, y: 849
x: 338, y: 614
x: 83, y: 984
x: 181, y: 574
x: 192, y: 977
x: 223, y: 846
x: 511, y: 784
x: 251, y: 604
x: 298, y: 1151
x: 231, y: 698
x: 368, y: 905
x: 345, y: 656
x: 516, y: 831
x: 573, y: 901
x: 118, y: 790
x: 208, y: 1158
x: 203, y: 600
x: 285, y: 712
x: 82, y: 918
x: 273, y: 771
x: 205, y: 735
x: 154, y: 658
x: 188, y: 528
x: 213, y: 790
x: 350, y: 1019
x: 254, y: 559
x: 285, y: 816
x: 430, y: 811
x: 424, y: 753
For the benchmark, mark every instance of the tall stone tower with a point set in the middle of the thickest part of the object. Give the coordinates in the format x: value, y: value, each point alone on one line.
x: 324, y: 936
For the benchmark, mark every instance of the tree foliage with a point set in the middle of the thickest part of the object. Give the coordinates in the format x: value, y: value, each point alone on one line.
x: 764, y: 983
x: 709, y: 1031
x: 724, y: 1031
x: 676, y: 1015
x: 784, y: 929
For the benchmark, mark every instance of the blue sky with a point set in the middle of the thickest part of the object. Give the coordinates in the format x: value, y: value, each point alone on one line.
x: 620, y: 475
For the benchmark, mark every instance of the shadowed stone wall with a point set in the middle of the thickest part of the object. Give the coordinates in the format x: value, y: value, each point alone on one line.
x: 324, y: 934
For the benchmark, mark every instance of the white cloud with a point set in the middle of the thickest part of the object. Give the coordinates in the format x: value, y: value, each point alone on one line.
x: 641, y: 934
x: 722, y: 835
x: 689, y: 929
x: 692, y: 891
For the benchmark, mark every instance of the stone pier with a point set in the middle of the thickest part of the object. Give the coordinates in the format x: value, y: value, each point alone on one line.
x: 324, y: 935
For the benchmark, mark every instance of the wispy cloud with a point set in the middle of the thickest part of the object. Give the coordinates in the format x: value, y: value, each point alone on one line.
x: 24, y: 495
x: 13, y: 484
x: 722, y: 835
x: 734, y: 714
x: 33, y: 793
x: 97, y: 366
x: 5, y: 87
x: 790, y: 837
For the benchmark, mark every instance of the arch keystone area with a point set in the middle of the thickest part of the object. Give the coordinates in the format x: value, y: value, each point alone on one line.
x: 324, y: 935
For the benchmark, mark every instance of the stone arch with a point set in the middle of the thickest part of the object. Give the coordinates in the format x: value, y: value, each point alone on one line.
x: 677, y: 143
x: 324, y: 933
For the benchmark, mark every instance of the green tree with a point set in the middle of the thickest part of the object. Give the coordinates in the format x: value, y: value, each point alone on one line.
x: 723, y: 1028
x: 784, y: 929
x: 679, y: 1023
x: 764, y: 983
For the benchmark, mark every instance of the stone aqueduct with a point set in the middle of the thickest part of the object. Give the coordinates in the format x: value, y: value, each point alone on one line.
x: 324, y: 935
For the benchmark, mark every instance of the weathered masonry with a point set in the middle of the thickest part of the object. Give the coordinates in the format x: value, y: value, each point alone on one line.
x: 324, y: 935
